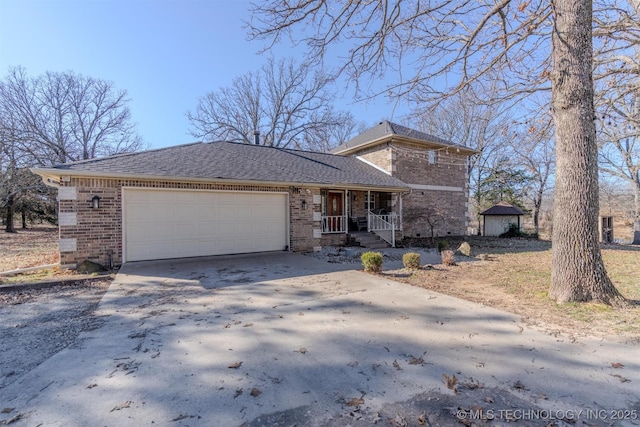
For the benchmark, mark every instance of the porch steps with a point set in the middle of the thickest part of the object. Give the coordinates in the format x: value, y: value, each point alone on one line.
x: 367, y: 240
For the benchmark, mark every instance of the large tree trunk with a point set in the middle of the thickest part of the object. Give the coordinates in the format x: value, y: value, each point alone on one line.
x: 9, y: 218
x: 578, y: 273
x: 636, y: 215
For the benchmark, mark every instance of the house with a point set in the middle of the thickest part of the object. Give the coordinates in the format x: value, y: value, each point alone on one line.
x: 499, y: 218
x: 225, y: 198
x: 435, y: 170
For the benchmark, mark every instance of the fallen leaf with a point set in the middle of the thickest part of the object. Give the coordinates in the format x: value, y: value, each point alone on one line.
x: 488, y: 399
x: 7, y: 410
x: 90, y: 386
x: 235, y: 365
x: 246, y: 325
x: 124, y: 405
x: 399, y: 421
x: 451, y: 382
x: 255, y: 392
x: 617, y: 365
x: 519, y: 386
x: 238, y: 392
x: 621, y: 378
x: 422, y: 419
x: 397, y: 365
x: 414, y: 361
x: 302, y: 350
x: 300, y: 314
x: 356, y: 401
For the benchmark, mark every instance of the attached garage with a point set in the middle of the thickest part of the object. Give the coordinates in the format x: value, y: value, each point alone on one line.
x: 169, y: 223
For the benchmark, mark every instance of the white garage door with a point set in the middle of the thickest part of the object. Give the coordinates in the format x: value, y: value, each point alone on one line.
x: 161, y: 224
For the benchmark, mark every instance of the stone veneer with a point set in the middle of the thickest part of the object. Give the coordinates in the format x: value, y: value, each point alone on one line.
x: 96, y: 234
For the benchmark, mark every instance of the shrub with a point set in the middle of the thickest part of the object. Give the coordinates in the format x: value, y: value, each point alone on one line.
x: 372, y: 261
x: 448, y: 258
x: 442, y: 245
x: 411, y: 260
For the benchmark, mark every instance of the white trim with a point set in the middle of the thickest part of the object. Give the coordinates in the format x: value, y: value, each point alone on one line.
x: 373, y: 165
x: 434, y: 187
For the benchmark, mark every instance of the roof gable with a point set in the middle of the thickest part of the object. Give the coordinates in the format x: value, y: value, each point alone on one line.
x: 234, y: 161
x: 386, y: 130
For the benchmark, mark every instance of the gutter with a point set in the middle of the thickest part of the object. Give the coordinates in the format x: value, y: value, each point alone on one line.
x: 53, y: 177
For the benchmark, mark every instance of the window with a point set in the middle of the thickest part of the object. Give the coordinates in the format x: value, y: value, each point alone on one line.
x: 369, y: 202
x: 431, y: 157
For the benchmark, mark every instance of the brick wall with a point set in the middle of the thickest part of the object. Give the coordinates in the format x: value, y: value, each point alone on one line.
x: 96, y: 234
x: 440, y: 186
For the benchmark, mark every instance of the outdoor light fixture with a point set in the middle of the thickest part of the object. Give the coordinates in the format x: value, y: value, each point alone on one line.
x: 95, y: 202
x: 304, y: 204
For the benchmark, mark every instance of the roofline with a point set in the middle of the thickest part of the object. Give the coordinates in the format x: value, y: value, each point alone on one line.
x: 402, y: 138
x: 52, y: 177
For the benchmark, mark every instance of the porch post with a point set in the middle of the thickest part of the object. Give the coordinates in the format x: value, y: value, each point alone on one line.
x: 368, y: 210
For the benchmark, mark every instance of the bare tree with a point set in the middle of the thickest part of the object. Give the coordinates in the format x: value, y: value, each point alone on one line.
x: 534, y: 150
x: 468, y: 43
x: 619, y: 153
x: 62, y: 117
x: 289, y: 104
x: 55, y: 118
x: 467, y: 120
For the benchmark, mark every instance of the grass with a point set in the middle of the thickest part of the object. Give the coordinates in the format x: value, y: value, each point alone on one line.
x: 517, y: 277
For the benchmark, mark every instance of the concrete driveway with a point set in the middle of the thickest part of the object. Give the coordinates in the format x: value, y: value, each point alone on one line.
x: 284, y: 339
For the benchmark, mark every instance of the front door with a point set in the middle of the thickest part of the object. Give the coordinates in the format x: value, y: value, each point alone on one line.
x: 335, y: 211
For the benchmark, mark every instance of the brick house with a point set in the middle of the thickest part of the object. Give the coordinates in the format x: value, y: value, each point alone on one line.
x: 223, y: 198
x: 435, y: 170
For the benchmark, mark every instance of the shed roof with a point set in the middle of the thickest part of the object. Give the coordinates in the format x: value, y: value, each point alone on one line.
x: 235, y: 162
x: 503, y: 208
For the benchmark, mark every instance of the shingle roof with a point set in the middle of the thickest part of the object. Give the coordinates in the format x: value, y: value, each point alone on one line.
x: 389, y: 129
x: 236, y: 161
x: 503, y: 208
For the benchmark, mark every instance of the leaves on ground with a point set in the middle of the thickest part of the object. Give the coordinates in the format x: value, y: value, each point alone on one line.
x: 238, y: 392
x: 617, y: 365
x: 451, y: 382
x: 416, y: 361
x: 255, y: 392
x: 7, y: 410
x: 235, y: 365
x: 621, y: 378
x: 302, y: 350
x: 356, y: 401
x: 123, y: 405
x: 397, y: 365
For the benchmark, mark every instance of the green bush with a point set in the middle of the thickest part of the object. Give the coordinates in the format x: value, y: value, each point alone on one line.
x: 442, y: 245
x: 411, y: 260
x: 448, y: 257
x: 372, y: 261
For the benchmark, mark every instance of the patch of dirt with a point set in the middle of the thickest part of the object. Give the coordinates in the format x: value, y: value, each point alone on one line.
x: 28, y: 248
x: 37, y: 323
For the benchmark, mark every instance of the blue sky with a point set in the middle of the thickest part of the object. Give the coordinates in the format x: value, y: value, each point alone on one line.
x: 164, y: 53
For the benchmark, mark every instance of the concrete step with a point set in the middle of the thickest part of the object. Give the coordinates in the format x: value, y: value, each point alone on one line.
x: 369, y: 240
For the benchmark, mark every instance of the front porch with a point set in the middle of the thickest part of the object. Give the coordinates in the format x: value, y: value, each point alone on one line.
x: 346, y: 211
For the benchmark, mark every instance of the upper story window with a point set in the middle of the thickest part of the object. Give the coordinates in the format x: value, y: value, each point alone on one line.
x: 431, y: 157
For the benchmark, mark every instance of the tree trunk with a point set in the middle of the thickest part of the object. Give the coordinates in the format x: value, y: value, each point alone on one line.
x: 24, y: 219
x: 577, y: 271
x: 636, y: 215
x: 9, y: 218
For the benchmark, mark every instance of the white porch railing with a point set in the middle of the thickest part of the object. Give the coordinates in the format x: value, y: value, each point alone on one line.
x: 334, y: 224
x: 385, y: 226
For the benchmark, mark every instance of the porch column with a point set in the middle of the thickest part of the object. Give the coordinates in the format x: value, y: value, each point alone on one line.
x: 368, y: 210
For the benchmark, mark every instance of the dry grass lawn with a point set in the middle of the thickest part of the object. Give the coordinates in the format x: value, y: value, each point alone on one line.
x: 516, y: 276
x: 28, y: 248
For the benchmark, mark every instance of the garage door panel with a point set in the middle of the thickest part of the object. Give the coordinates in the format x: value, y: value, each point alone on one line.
x: 183, y: 223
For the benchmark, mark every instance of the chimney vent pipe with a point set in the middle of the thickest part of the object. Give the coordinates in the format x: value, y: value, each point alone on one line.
x: 256, y: 137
